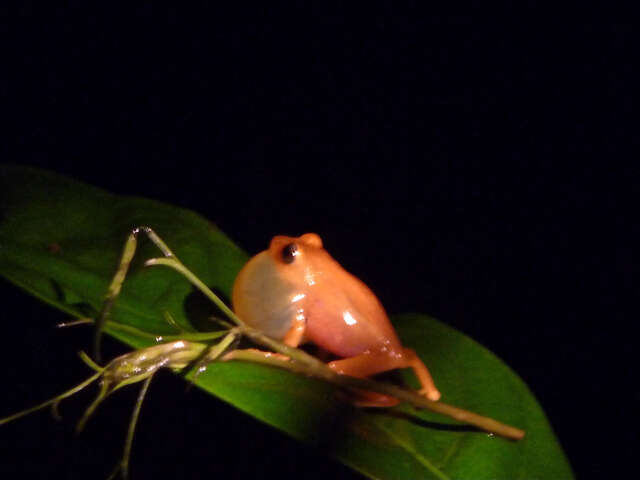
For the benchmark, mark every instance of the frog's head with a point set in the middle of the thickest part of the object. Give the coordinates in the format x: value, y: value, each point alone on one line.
x: 299, y: 259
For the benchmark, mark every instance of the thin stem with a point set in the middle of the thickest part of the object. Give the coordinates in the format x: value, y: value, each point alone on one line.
x: 294, y: 353
x: 171, y: 321
x: 195, y: 337
x: 115, y: 286
x: 53, y: 400
x: 213, y: 353
x: 90, y: 363
x: 73, y: 323
x: 115, y: 326
x: 180, y: 268
x: 219, y: 348
x: 158, y: 242
x: 114, y: 289
x: 89, y: 411
x: 485, y: 423
x: 126, y: 456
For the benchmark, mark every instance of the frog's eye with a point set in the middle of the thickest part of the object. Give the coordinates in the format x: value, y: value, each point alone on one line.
x: 289, y: 253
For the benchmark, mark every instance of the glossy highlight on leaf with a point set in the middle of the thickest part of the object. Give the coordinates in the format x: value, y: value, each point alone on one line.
x: 61, y: 241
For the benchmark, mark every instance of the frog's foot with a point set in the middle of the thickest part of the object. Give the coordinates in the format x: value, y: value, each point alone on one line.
x: 363, y: 398
x: 371, y: 363
x: 431, y: 393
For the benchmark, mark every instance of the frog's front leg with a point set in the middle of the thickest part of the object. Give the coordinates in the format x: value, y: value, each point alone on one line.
x: 371, y: 363
x: 295, y: 334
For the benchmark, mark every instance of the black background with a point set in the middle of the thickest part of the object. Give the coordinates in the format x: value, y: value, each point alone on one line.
x: 475, y: 166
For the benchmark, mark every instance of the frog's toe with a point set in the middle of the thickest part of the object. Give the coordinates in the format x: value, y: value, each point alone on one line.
x: 362, y: 398
x: 430, y: 393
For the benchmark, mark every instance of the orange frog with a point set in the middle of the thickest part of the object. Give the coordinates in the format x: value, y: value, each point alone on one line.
x: 296, y: 292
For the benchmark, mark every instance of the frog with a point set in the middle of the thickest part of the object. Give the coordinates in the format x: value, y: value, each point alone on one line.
x: 296, y: 292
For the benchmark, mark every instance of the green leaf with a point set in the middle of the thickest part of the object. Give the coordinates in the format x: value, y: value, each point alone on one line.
x: 61, y: 241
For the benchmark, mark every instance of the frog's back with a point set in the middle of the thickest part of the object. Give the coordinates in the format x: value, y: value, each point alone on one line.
x: 348, y: 319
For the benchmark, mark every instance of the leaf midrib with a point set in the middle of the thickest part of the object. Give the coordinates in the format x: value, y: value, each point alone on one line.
x: 412, y: 451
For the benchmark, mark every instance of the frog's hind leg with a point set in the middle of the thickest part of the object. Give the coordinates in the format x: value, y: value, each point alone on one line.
x: 428, y: 389
x: 362, y: 366
x: 363, y: 398
x: 367, y: 364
